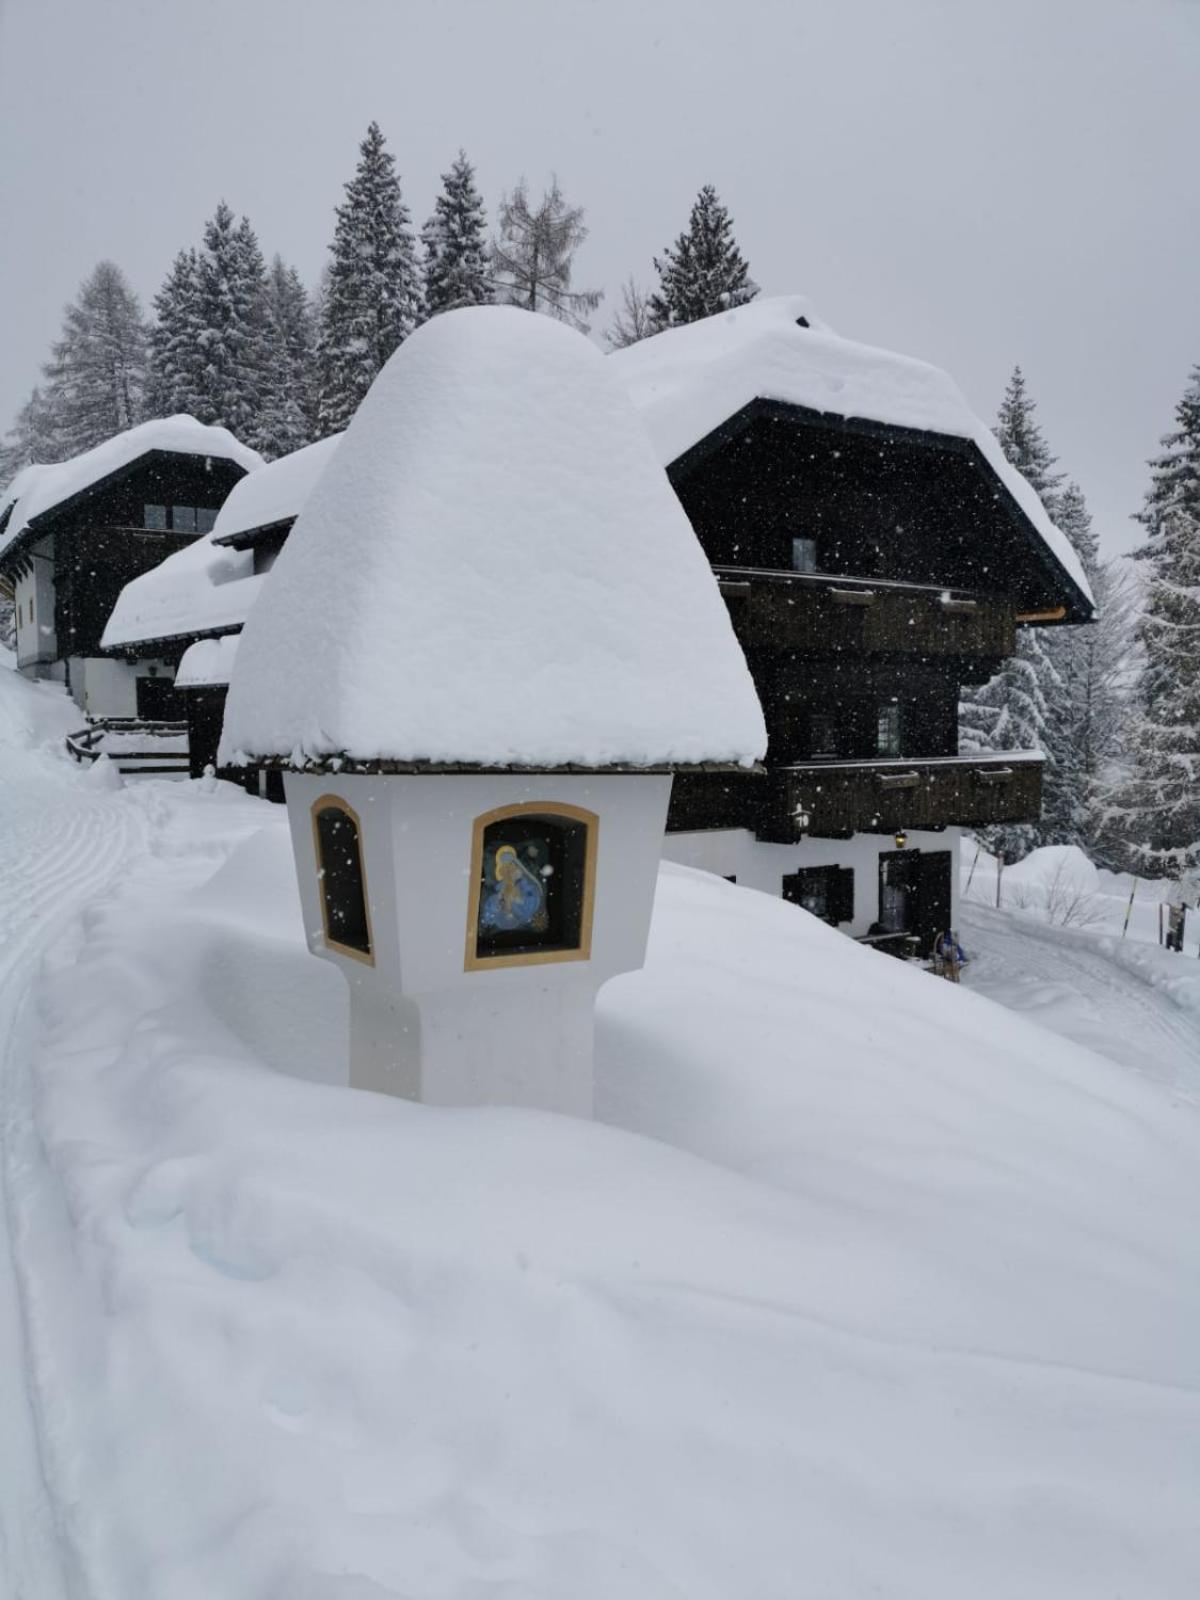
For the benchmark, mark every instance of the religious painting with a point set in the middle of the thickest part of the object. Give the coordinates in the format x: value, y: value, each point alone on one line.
x: 532, y: 886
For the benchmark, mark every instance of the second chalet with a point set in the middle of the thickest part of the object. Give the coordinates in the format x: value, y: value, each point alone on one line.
x: 877, y: 552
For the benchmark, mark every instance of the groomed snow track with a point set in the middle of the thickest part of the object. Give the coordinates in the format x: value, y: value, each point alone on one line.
x: 64, y: 843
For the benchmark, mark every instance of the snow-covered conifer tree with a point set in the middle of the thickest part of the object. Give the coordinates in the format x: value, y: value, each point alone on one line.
x: 703, y: 272
x: 96, y: 373
x: 373, y: 297
x: 34, y: 436
x: 1157, y: 811
x: 232, y: 310
x: 175, y: 376
x: 455, y: 243
x: 533, y: 258
x: 1020, y: 708
x: 288, y: 418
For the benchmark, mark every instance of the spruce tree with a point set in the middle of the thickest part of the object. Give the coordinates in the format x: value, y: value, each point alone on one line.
x: 703, y: 272
x: 533, y: 258
x: 1020, y: 708
x: 455, y: 243
x: 232, y: 310
x: 1157, y: 811
x: 175, y: 377
x: 96, y: 373
x: 288, y: 418
x: 373, y: 299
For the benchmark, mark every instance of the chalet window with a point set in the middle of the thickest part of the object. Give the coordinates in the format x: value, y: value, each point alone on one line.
x: 338, y: 844
x: 183, y: 519
x: 804, y: 555
x: 825, y: 892
x: 532, y: 885
x: 206, y: 519
x: 823, y: 739
x: 154, y: 516
x: 888, y: 741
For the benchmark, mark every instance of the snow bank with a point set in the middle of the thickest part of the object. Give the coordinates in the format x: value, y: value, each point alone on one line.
x: 893, y: 1300
x: 688, y: 381
x: 208, y: 663
x: 203, y: 588
x: 1055, y: 865
x: 37, y: 489
x: 275, y: 493
x: 493, y: 569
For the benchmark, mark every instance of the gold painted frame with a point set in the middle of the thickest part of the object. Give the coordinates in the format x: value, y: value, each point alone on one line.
x: 533, y: 958
x: 334, y: 802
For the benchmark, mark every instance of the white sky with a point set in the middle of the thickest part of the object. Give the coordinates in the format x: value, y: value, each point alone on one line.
x: 976, y: 182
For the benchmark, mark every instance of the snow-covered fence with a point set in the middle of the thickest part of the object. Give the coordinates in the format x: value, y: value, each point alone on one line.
x: 156, y: 748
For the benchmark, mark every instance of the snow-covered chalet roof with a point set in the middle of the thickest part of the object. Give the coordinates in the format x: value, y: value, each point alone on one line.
x: 39, y: 489
x: 208, y: 587
x: 208, y: 663
x: 200, y: 589
x: 688, y: 381
x: 493, y: 570
x: 275, y: 493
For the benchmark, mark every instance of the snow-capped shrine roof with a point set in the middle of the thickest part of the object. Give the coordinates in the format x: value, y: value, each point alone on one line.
x: 688, y: 381
x: 207, y: 587
x: 493, y: 571
x: 37, y: 490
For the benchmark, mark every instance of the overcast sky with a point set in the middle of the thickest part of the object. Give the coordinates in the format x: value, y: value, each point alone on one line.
x: 976, y: 182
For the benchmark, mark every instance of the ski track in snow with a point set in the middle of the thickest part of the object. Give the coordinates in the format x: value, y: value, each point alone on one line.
x: 1081, y: 993
x: 63, y: 845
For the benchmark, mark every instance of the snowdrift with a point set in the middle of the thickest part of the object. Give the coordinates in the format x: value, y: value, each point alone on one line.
x: 866, y: 1287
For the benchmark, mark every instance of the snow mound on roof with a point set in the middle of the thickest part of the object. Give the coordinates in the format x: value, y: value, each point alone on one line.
x: 202, y: 588
x: 275, y: 492
x: 687, y: 381
x: 37, y: 490
x: 208, y: 663
x: 493, y: 570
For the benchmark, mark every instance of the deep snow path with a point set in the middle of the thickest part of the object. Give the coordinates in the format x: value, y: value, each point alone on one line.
x: 1084, y: 987
x: 65, y: 840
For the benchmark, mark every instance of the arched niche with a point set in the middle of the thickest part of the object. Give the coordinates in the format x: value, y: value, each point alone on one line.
x: 341, y: 880
x: 533, y: 885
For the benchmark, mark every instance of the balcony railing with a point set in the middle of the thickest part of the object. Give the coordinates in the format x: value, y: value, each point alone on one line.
x: 824, y: 612
x: 832, y: 798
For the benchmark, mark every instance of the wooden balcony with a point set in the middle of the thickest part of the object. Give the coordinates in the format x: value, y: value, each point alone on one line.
x: 838, y: 798
x: 825, y: 613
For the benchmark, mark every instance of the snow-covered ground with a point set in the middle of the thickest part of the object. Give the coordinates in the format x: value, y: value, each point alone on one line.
x: 864, y: 1286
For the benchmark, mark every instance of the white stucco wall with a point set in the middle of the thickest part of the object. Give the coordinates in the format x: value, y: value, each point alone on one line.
x: 422, y: 1024
x: 33, y: 596
x: 735, y: 852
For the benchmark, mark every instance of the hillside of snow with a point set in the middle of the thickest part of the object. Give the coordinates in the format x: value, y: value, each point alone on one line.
x: 862, y: 1286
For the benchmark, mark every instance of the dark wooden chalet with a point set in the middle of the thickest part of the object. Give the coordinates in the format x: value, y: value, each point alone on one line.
x: 78, y: 532
x: 871, y: 569
x: 204, y: 595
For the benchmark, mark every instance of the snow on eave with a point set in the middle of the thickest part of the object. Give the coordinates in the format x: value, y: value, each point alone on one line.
x: 688, y: 381
x: 274, y: 494
x: 208, y: 663
x: 36, y: 491
x: 196, y: 591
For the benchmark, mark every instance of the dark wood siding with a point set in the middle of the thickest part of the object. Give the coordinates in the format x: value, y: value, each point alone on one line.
x: 883, y: 797
x: 880, y: 502
x: 101, y: 542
